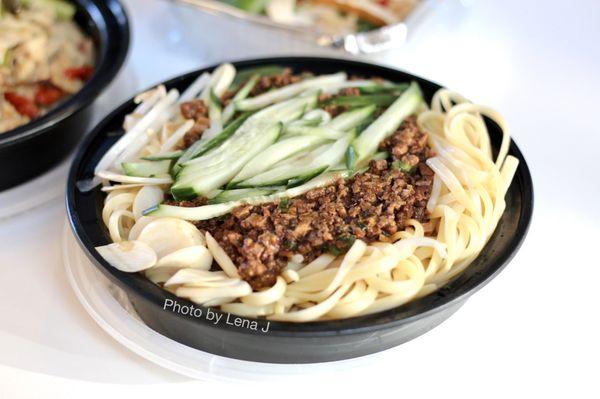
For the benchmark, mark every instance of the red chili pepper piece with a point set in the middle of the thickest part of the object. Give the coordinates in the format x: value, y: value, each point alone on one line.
x: 47, y: 94
x: 23, y: 105
x: 80, y: 73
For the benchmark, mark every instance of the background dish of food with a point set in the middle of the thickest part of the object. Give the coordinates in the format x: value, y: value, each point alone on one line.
x: 41, y: 143
x: 46, y: 58
x: 296, y: 343
x: 332, y: 17
x: 353, y: 25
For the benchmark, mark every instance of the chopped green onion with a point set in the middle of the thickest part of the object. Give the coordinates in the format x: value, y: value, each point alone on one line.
x: 403, y: 166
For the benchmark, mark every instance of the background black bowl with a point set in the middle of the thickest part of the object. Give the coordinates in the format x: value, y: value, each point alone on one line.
x: 35, y: 147
x: 290, y: 342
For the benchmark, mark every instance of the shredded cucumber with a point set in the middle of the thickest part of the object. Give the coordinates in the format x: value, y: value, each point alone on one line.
x: 351, y: 119
x: 275, y: 153
x: 288, y: 92
x: 238, y: 194
x: 201, y: 182
x: 201, y: 147
x: 217, y: 167
x: 147, y: 169
x: 367, y: 143
x: 215, y: 210
x: 267, y: 70
x: 316, y: 131
x: 229, y: 110
x: 291, y: 172
x: 162, y: 157
x: 382, y: 100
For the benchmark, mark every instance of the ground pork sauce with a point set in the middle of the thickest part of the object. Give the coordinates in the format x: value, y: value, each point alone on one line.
x: 370, y: 206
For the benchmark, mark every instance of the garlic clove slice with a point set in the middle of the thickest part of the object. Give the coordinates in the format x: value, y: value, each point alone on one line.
x: 139, y: 225
x: 167, y: 235
x: 195, y: 277
x: 128, y: 256
x: 147, y: 197
x: 194, y: 257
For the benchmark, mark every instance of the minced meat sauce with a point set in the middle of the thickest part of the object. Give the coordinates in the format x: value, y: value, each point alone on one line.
x: 371, y: 206
x: 197, y: 111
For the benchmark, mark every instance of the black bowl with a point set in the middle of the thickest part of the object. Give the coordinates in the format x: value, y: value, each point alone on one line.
x: 35, y: 147
x: 289, y: 342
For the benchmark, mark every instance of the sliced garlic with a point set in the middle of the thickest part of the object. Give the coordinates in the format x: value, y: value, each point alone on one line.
x: 128, y: 256
x: 200, y: 278
x: 167, y: 235
x: 147, y: 197
x: 160, y: 275
x: 139, y: 225
x: 194, y: 257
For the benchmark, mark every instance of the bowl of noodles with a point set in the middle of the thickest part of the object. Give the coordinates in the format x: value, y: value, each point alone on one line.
x: 299, y: 209
x: 56, y: 56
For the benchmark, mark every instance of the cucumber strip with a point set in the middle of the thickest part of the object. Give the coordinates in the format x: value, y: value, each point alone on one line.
x: 201, y: 183
x: 367, y: 86
x: 248, y: 87
x: 215, y: 113
x: 298, y: 180
x: 211, y: 211
x: 302, y: 168
x: 350, y: 158
x: 236, y: 195
x: 201, y: 147
x: 146, y: 169
x: 351, y: 119
x: 210, y: 164
x: 244, y: 92
x: 317, y: 131
x: 267, y: 70
x: 162, y: 157
x: 287, y: 92
x: 282, y: 112
x: 303, y: 122
x: 274, y: 154
x: 312, y: 118
x: 228, y: 113
x: 385, y: 87
x: 382, y: 100
x: 212, y: 170
x: 367, y: 143
x: 303, y: 156
x: 317, y: 115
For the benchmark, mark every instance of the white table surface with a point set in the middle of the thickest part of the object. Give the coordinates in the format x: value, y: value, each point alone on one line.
x: 533, y: 330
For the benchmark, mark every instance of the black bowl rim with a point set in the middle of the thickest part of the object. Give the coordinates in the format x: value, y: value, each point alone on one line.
x: 155, y: 296
x: 111, y: 12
